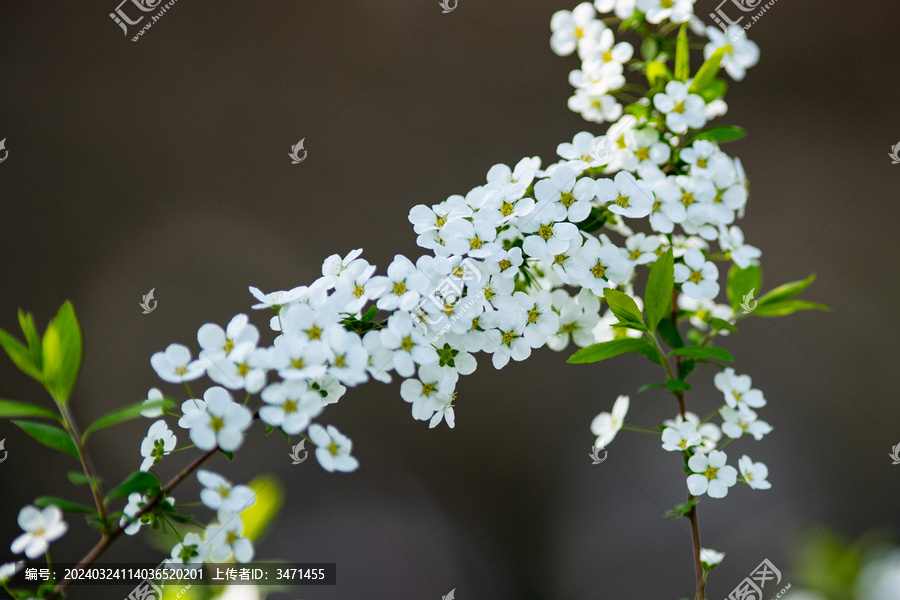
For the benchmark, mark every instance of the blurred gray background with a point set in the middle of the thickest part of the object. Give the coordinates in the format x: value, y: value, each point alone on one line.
x: 163, y: 164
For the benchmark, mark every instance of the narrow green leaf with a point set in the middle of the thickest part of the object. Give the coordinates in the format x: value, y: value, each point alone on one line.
x: 677, y: 385
x: 605, y: 350
x: 370, y: 314
x: 658, y: 74
x: 20, y: 355
x: 631, y: 325
x: 704, y: 352
x: 708, y: 71
x: 742, y: 282
x: 658, y: 293
x: 10, y: 409
x: 682, y: 55
x: 623, y: 306
x: 685, y: 368
x: 720, y: 133
x: 49, y: 435
x: 64, y: 505
x: 716, y: 89
x: 228, y: 455
x: 79, y: 478
x: 668, y: 331
x: 786, y: 307
x: 26, y: 322
x: 62, y: 350
x: 650, y: 386
x: 650, y: 353
x: 138, y: 482
x: 649, y: 48
x: 787, y: 291
x: 121, y: 415
x: 721, y: 324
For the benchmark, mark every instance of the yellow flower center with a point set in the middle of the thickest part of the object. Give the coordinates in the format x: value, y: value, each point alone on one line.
x: 400, y: 288
x: 216, y: 423
x: 440, y: 221
x: 507, y: 208
x: 533, y: 315
x: 679, y: 108
x: 696, y: 276
x: 505, y: 264
x: 687, y: 199
x: 339, y: 361
x: 243, y: 369
x: 428, y: 389
x: 599, y: 270
x: 297, y: 363
x: 508, y: 337
x: 289, y: 406
x: 567, y: 199
x: 180, y: 370
x: 643, y: 153
x: 358, y: 291
x: 314, y: 333
x: 333, y: 449
x: 701, y: 162
x: 229, y: 345
x: 546, y: 231
x: 622, y: 201
x: 475, y: 243
x: 711, y: 473
x: 407, y: 344
x: 607, y: 56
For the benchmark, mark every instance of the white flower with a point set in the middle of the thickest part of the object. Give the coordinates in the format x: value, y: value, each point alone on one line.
x: 698, y: 276
x: 585, y: 151
x: 41, y: 527
x: 709, y: 432
x: 445, y: 413
x: 191, y: 550
x: 154, y: 405
x: 577, y: 318
x: 406, y: 339
x: 598, y: 108
x: 500, y: 175
x: 606, y: 425
x: 740, y: 53
x: 504, y: 263
x: 677, y: 11
x: 332, y: 448
x: 642, y: 248
x: 505, y: 334
x: 754, y: 474
x: 625, y: 195
x: 216, y: 341
x: 402, y: 285
x: 561, y: 188
x: 569, y: 28
x: 431, y: 390
x: 605, y: 49
x: 682, y: 110
x: 130, y: 522
x: 244, y: 367
x: 226, y: 539
x: 7, y: 570
x: 623, y: 8
x: 737, y: 422
x: 290, y: 405
x: 219, y: 494
x: 710, y: 559
x: 297, y: 358
x: 175, y: 365
x: 277, y: 299
x: 682, y: 438
x: 348, y: 360
x: 711, y: 475
x: 220, y: 421
x: 732, y: 241
x: 597, y: 264
x: 737, y: 391
x: 452, y: 355
x: 159, y: 442
x: 356, y: 286
x: 549, y: 235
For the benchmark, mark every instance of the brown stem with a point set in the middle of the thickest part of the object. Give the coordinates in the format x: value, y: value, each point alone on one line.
x: 695, y: 535
x: 85, y: 459
x: 110, y: 537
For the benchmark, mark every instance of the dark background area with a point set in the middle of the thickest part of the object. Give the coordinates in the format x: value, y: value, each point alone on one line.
x: 163, y: 164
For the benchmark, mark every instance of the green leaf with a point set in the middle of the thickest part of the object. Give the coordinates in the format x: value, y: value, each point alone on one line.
x: 605, y: 350
x: 50, y: 436
x: 721, y: 324
x: 682, y: 55
x: 742, y: 282
x: 720, y: 133
x: 716, y: 89
x: 64, y: 505
x: 658, y: 74
x: 10, y: 409
x: 26, y: 322
x: 62, y: 350
x: 228, y: 455
x: 668, y: 331
x: 650, y: 386
x: 631, y: 325
x: 623, y: 306
x: 658, y: 293
x: 708, y: 71
x: 676, y: 385
x: 79, y: 478
x: 704, y: 352
x: 370, y: 314
x: 787, y: 291
x: 138, y: 482
x: 681, y: 510
x: 121, y: 415
x: 685, y: 368
x: 780, y: 309
x: 20, y: 355
x: 649, y: 48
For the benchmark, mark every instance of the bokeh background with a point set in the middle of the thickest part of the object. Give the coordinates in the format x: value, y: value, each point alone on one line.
x: 163, y: 164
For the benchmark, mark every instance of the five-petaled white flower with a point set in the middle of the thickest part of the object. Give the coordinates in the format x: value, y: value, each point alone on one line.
x: 682, y: 110
x: 290, y: 405
x: 41, y: 527
x: 737, y: 390
x: 332, y: 448
x: 219, y: 494
x: 175, y: 365
x: 711, y: 475
x: 191, y: 550
x: 159, y: 441
x: 606, y: 425
x: 754, y: 474
x: 698, y: 277
x: 226, y: 539
x: 220, y: 421
x: 740, y: 53
x: 681, y: 438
